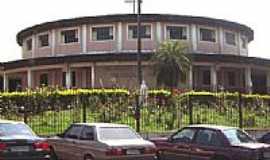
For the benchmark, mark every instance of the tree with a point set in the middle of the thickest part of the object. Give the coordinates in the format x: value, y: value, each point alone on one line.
x: 170, y: 62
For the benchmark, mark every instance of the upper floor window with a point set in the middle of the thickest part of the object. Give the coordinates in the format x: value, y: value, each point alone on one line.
x: 43, y: 40
x: 208, y: 35
x: 29, y: 45
x: 230, y: 38
x: 244, y: 42
x: 70, y: 36
x: 102, y: 33
x: 145, y: 31
x: 177, y: 32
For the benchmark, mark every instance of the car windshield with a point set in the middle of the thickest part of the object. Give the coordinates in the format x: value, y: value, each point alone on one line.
x: 117, y: 133
x: 7, y: 129
x: 236, y: 136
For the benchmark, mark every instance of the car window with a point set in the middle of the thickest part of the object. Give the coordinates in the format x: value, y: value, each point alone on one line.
x: 7, y: 129
x: 88, y: 133
x: 208, y: 137
x: 185, y: 135
x: 236, y: 136
x: 117, y: 133
x: 73, y: 132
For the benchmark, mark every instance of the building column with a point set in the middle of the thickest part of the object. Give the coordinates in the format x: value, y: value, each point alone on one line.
x: 213, y: 78
x: 194, y: 38
x: 29, y: 79
x: 248, y: 80
x: 221, y: 39
x: 93, y: 76
x: 119, y: 37
x: 53, y: 42
x: 159, y: 33
x: 5, y: 82
x: 84, y: 38
x: 68, y: 76
x: 33, y: 46
x: 268, y: 81
x: 190, y: 78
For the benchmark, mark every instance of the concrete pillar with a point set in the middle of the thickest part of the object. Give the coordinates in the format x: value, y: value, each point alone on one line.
x: 53, y: 42
x: 213, y: 78
x: 268, y: 81
x: 34, y: 46
x: 29, y: 78
x: 194, y: 37
x: 5, y: 82
x: 248, y: 80
x: 190, y: 78
x: 93, y: 76
x: 68, y: 77
x: 119, y: 37
x: 159, y: 33
x: 84, y: 38
x: 221, y: 39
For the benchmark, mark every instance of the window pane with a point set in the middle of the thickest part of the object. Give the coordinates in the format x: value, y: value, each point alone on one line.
x: 70, y: 36
x: 117, y: 133
x: 87, y: 133
x: 102, y: 33
x: 176, y: 32
x: 74, y: 132
x: 185, y: 135
x: 207, y: 35
x: 44, y: 79
x: 230, y: 38
x: 244, y: 42
x: 7, y: 129
x: 43, y: 40
x: 237, y: 136
x: 145, y: 32
x: 29, y: 44
x: 206, y: 77
x: 208, y: 137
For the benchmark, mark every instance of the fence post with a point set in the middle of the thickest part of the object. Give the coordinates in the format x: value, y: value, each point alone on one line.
x: 138, y: 114
x: 84, y: 109
x: 240, y: 110
x: 190, y: 109
x: 24, y: 115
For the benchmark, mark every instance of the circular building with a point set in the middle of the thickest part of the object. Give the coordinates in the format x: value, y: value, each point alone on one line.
x: 100, y: 52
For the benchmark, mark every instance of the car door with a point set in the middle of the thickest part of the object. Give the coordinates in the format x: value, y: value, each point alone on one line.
x: 207, y: 144
x: 179, y: 145
x: 88, y: 143
x: 66, y: 149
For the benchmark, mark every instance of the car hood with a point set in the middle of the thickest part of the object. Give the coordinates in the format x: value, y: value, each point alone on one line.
x: 252, y: 145
x: 127, y: 143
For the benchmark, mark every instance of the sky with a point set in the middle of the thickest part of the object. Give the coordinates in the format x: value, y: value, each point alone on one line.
x: 16, y: 15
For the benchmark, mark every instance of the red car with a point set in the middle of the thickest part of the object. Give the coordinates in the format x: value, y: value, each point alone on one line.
x: 210, y: 142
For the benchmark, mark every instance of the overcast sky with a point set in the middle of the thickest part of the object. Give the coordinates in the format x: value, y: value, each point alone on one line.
x: 16, y: 15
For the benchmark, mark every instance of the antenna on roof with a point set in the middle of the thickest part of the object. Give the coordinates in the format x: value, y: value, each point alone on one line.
x: 133, y: 3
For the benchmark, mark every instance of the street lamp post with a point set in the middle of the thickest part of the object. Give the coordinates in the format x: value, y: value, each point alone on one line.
x: 139, y: 44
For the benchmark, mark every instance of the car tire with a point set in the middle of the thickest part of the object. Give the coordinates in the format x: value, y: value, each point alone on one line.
x: 88, y: 157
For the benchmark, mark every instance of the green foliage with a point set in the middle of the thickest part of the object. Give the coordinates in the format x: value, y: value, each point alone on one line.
x: 171, y: 62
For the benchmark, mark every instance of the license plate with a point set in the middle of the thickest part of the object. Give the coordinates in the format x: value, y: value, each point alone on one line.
x: 133, y: 152
x: 266, y: 154
x: 20, y: 149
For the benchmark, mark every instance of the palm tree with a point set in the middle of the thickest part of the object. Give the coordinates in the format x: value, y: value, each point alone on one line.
x: 171, y: 62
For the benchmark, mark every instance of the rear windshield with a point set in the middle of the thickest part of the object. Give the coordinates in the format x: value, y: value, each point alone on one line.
x: 117, y: 133
x: 236, y: 136
x: 7, y: 129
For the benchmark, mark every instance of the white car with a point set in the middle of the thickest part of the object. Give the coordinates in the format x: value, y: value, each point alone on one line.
x: 101, y: 141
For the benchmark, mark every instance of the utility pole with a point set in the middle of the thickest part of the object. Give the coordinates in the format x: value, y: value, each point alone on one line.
x: 139, y: 44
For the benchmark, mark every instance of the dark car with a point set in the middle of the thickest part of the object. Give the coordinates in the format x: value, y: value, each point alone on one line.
x: 18, y: 142
x: 210, y: 142
x: 102, y: 141
x: 265, y: 138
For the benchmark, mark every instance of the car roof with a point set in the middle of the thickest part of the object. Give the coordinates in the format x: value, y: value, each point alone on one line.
x: 211, y: 126
x: 9, y: 121
x: 102, y: 124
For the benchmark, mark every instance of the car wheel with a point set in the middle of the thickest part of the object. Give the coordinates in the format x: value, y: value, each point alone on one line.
x: 88, y: 157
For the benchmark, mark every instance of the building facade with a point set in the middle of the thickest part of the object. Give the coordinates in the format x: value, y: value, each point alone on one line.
x: 100, y: 52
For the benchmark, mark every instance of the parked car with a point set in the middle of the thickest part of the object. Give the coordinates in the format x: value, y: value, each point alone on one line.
x: 202, y: 142
x: 265, y: 138
x: 101, y: 141
x: 18, y: 142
